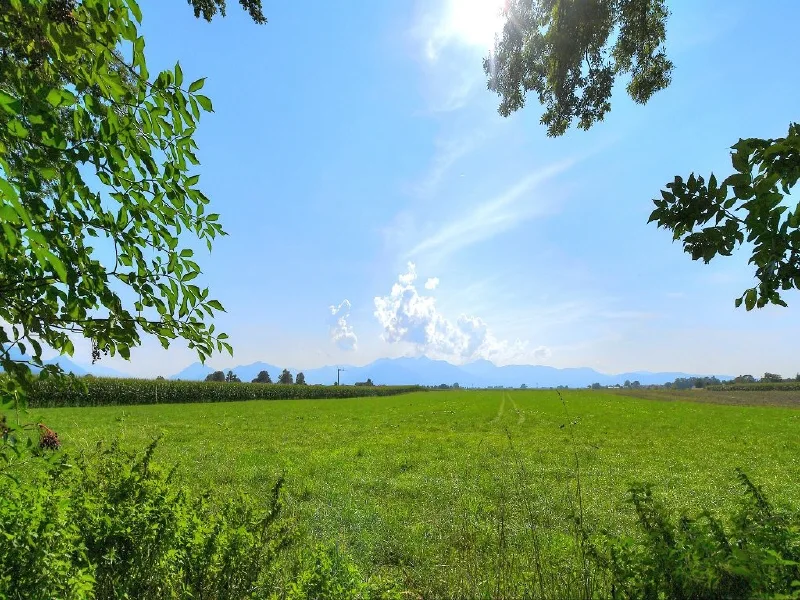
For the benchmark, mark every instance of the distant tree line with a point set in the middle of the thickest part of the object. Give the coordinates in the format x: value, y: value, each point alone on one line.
x: 262, y: 377
x: 766, y: 378
x: 681, y: 383
x: 686, y: 383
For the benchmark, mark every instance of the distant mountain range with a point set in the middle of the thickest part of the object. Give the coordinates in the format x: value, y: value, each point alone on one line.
x: 425, y: 371
x: 409, y: 371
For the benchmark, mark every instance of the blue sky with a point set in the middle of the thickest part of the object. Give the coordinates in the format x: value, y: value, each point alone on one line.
x: 350, y: 139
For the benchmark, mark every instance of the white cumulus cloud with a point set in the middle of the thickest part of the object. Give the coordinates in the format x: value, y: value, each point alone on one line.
x: 432, y: 283
x: 408, y: 316
x: 341, y: 331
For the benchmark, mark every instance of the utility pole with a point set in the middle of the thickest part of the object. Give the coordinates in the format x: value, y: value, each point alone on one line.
x: 338, y: 370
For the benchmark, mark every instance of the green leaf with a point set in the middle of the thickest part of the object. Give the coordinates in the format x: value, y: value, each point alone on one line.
x: 138, y: 50
x: 739, y: 162
x: 205, y: 102
x: 750, y: 299
x: 137, y: 12
x: 197, y: 85
x: 8, y: 214
x: 178, y: 74
x: 59, y: 98
x: 7, y: 191
x: 17, y: 129
x: 216, y: 305
x: 58, y: 266
x: 10, y: 104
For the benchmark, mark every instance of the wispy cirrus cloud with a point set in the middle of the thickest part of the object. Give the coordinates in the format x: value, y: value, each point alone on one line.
x: 448, y: 153
x: 509, y: 209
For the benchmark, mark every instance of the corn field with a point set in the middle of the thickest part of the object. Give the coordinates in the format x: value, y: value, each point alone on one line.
x: 97, y: 391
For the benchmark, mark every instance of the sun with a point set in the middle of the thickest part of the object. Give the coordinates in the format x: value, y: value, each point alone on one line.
x: 475, y: 22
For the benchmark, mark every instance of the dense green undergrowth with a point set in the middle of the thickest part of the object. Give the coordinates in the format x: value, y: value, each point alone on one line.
x: 754, y: 552
x: 110, y: 524
x: 101, y: 391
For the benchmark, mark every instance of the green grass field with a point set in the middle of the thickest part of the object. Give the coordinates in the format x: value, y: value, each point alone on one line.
x: 440, y: 489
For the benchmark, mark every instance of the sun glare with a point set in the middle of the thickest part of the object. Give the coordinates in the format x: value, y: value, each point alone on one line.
x: 475, y: 22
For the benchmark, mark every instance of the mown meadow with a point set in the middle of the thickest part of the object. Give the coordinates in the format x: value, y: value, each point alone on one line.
x: 460, y: 493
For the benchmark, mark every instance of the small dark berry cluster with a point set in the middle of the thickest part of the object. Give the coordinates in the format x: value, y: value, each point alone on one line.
x: 60, y: 11
x: 96, y: 350
x: 4, y: 428
x: 48, y: 439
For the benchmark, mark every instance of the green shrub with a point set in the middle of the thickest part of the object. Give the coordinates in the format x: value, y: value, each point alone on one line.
x: 41, y: 550
x: 327, y: 574
x: 99, y: 391
x: 755, y: 554
x: 112, y: 525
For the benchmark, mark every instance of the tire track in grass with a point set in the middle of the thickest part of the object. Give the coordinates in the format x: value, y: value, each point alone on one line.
x: 501, y: 409
x: 520, y: 414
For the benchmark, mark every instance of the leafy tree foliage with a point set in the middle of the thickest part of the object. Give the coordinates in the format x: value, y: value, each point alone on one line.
x: 714, y: 218
x: 232, y: 377
x: 570, y: 53
x: 744, y: 379
x: 771, y: 378
x: 300, y: 379
x: 286, y: 377
x: 208, y: 8
x: 216, y: 376
x: 98, y: 187
x: 367, y: 383
x: 262, y: 377
x: 686, y: 383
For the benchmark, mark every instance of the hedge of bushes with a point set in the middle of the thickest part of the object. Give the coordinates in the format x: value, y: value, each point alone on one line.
x: 785, y: 386
x: 96, y: 391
